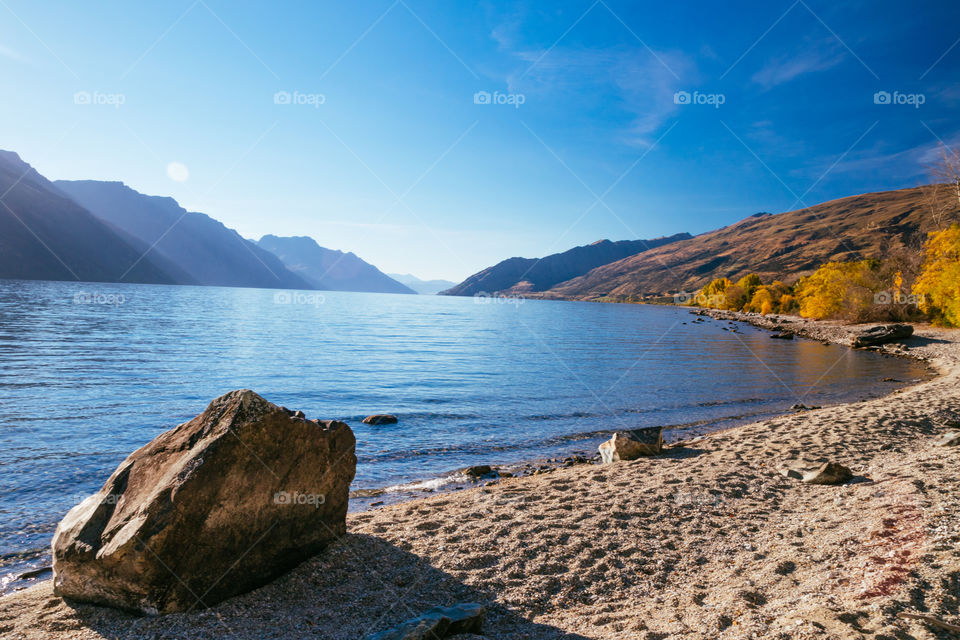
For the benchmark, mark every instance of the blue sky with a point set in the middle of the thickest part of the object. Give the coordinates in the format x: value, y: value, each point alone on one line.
x: 606, y: 119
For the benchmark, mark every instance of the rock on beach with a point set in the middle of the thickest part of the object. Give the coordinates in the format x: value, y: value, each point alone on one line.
x: 215, y: 507
x: 630, y: 445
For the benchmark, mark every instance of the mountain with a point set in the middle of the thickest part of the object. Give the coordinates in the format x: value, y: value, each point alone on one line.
x: 44, y: 235
x: 424, y: 287
x: 328, y: 269
x: 209, y: 252
x: 782, y: 246
x: 531, y: 275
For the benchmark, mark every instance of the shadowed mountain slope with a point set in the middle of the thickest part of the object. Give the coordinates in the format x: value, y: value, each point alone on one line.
x: 207, y: 250
x: 44, y: 235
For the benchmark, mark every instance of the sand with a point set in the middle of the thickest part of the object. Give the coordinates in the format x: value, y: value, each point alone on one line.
x: 705, y: 541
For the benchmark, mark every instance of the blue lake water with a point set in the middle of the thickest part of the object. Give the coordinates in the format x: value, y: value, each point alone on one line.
x: 90, y: 372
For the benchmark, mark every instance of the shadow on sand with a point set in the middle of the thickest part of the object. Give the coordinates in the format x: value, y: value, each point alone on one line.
x: 358, y: 586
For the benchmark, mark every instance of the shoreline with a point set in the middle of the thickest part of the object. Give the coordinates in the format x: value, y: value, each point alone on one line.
x: 589, y: 549
x: 835, y: 332
x: 581, y: 450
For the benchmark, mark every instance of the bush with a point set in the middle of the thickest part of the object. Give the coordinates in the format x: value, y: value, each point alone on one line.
x: 939, y: 282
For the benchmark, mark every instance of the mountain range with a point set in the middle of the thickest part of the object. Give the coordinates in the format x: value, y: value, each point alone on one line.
x: 107, y: 232
x: 94, y: 231
x: 211, y: 253
x: 521, y: 276
x: 782, y: 246
x: 424, y: 287
x: 329, y: 269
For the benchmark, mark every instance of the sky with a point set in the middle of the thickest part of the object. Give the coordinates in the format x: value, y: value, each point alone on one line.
x: 438, y: 138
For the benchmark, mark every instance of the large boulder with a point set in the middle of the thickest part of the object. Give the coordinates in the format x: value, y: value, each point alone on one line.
x: 882, y: 334
x: 216, y: 506
x: 630, y: 445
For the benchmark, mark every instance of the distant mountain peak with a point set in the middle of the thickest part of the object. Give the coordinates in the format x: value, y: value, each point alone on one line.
x: 423, y: 287
x: 329, y: 269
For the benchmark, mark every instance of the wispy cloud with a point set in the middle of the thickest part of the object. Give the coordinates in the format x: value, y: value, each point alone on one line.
x: 913, y: 162
x: 627, y: 82
x: 10, y: 54
x: 813, y: 58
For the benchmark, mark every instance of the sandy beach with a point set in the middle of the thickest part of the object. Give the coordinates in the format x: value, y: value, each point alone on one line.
x: 708, y: 540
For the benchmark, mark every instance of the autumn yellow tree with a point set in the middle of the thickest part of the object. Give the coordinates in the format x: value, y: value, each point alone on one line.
x: 939, y: 283
x: 737, y: 296
x: 713, y: 295
x: 839, y: 290
x: 767, y: 299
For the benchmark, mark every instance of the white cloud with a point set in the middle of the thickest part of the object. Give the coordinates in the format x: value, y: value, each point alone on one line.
x: 814, y: 58
x: 9, y: 53
x: 630, y: 80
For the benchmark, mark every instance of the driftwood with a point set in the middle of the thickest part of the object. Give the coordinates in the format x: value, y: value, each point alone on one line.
x: 930, y: 620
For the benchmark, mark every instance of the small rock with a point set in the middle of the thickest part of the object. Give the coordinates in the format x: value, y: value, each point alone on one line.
x: 33, y: 573
x: 828, y: 473
x: 951, y: 439
x: 783, y: 335
x: 630, y: 445
x: 882, y: 334
x: 478, y: 471
x: 380, y: 418
x: 439, y: 622
x: 792, y: 472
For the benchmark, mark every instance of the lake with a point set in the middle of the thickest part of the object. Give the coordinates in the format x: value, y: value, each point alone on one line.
x: 90, y: 372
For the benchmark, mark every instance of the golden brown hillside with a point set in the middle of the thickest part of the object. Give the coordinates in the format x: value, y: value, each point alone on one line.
x: 783, y: 246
